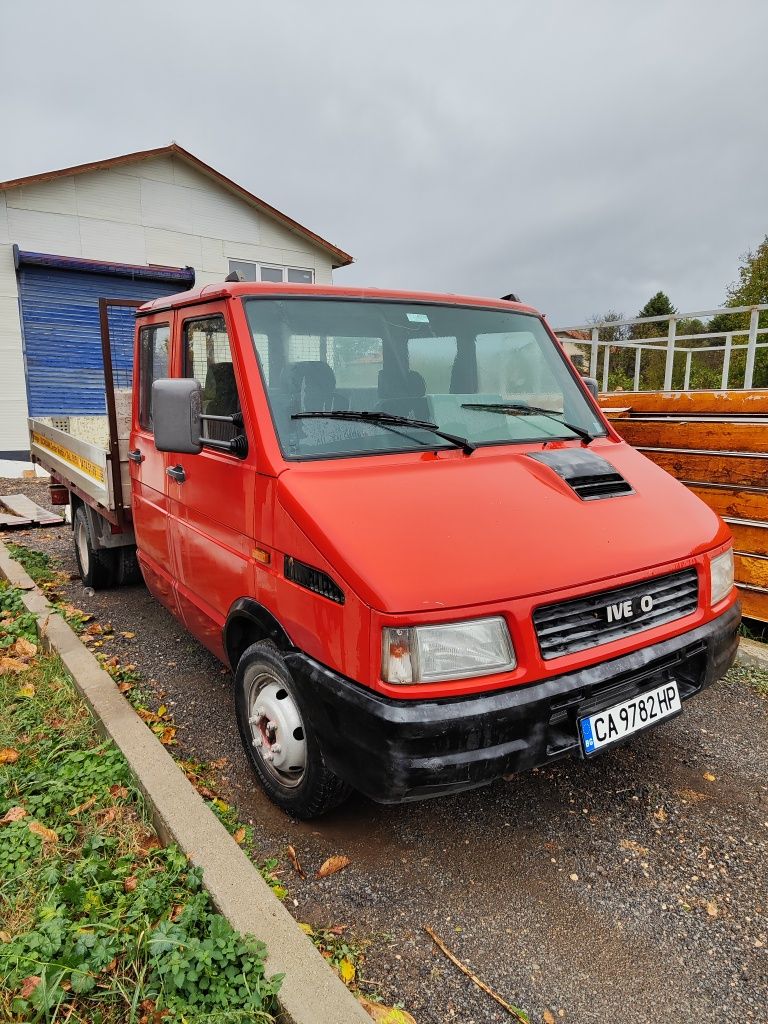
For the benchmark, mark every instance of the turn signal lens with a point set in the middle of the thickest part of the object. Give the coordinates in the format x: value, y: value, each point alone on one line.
x: 457, y: 650
x: 721, y: 576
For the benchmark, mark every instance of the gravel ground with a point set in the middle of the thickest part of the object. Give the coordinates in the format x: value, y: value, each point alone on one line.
x: 630, y: 887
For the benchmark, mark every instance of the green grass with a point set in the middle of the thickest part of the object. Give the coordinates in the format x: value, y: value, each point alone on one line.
x: 99, y: 923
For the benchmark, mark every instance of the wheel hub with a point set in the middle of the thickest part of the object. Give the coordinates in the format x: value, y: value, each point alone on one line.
x: 277, y: 731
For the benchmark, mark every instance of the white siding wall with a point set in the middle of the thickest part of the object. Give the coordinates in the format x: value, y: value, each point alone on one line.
x: 160, y: 210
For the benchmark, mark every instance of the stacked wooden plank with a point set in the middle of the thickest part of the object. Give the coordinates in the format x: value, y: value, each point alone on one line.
x: 17, y: 510
x: 715, y: 442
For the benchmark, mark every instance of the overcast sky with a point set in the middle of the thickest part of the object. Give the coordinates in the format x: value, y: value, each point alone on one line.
x: 583, y: 153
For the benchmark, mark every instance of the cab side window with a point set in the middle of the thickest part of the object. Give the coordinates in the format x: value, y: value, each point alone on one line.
x: 154, y: 344
x: 208, y: 358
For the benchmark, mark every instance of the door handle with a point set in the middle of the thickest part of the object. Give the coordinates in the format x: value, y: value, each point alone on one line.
x: 135, y: 455
x: 176, y: 473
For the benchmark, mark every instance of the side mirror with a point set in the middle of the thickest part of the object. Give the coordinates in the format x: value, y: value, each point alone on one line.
x: 176, y: 409
x: 592, y: 386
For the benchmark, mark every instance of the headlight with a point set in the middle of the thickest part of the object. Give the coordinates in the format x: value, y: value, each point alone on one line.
x: 721, y: 576
x: 458, y: 650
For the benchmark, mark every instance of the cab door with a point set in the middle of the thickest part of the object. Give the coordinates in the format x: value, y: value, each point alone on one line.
x: 147, y: 465
x: 212, y: 494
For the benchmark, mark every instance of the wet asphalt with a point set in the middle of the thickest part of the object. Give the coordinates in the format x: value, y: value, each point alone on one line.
x: 632, y: 887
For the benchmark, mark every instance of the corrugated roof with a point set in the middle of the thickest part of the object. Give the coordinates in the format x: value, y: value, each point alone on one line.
x: 340, y: 258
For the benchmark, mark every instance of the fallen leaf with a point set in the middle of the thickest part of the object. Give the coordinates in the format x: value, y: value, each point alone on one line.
x: 46, y: 834
x: 5, y: 936
x: 692, y: 795
x: 148, y: 844
x: 118, y: 792
x: 93, y: 630
x: 27, y: 690
x: 549, y: 1017
x: 23, y: 648
x: 168, y: 735
x: 162, y: 711
x: 306, y: 928
x: 8, y: 755
x: 347, y: 971
x: 110, y: 966
x: 124, y: 687
x: 14, y: 814
x: 13, y: 665
x: 239, y: 835
x: 660, y: 814
x: 294, y: 858
x: 337, y: 929
x: 712, y: 908
x: 630, y: 844
x: 709, y: 777
x: 178, y: 910
x: 385, y: 1014
x: 222, y: 805
x: 29, y: 985
x: 146, y: 715
x: 105, y: 816
x: 83, y: 807
x: 127, y: 635
x: 332, y: 865
x: 130, y: 883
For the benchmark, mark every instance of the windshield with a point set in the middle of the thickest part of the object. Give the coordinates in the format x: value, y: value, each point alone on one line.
x: 424, y: 362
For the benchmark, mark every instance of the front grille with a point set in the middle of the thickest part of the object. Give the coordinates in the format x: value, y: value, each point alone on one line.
x: 599, y: 618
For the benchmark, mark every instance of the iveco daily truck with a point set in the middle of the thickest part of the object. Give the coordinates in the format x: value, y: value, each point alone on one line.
x: 404, y: 523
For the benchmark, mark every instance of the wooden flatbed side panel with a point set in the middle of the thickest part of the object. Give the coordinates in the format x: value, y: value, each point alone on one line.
x: 692, y: 403
x: 752, y: 569
x: 754, y: 604
x: 733, y: 503
x: 750, y: 538
x: 705, y: 468
x: 712, y: 436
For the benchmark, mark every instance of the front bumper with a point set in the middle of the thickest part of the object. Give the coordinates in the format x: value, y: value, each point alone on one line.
x: 395, y: 750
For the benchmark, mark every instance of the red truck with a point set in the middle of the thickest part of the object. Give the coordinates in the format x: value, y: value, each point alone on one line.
x: 404, y: 523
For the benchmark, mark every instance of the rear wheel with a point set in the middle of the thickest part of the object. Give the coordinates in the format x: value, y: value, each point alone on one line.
x: 97, y: 565
x: 280, y: 744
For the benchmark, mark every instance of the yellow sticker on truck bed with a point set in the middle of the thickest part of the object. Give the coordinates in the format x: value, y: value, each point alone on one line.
x: 84, y: 465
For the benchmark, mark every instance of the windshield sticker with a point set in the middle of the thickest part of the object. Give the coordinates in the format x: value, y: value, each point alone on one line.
x: 418, y: 318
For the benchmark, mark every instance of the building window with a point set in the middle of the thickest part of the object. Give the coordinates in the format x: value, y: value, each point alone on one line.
x: 271, y: 272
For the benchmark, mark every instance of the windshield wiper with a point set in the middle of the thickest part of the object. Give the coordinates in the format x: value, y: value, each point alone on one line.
x: 521, y: 409
x: 387, y: 419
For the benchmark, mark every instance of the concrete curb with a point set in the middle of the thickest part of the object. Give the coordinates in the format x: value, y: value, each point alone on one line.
x: 753, y: 654
x: 311, y: 993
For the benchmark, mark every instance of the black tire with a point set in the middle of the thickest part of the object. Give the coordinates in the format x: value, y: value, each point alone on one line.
x: 97, y: 566
x: 128, y: 568
x: 262, y: 678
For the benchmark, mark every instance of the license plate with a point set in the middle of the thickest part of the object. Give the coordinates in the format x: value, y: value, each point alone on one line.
x: 622, y: 720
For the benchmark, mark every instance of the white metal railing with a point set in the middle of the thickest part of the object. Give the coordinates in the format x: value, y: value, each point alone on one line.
x: 669, y: 341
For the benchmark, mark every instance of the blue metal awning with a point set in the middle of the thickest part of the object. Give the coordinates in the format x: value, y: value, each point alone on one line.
x: 182, y: 276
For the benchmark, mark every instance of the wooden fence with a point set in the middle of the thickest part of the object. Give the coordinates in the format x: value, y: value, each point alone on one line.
x: 715, y: 442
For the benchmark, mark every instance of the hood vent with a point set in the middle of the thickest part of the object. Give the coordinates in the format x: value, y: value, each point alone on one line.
x: 589, y: 475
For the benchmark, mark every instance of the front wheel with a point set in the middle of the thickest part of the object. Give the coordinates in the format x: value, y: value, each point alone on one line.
x: 281, y: 746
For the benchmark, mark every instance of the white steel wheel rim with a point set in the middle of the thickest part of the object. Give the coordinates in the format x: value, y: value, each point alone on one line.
x: 277, y: 731
x: 81, y: 540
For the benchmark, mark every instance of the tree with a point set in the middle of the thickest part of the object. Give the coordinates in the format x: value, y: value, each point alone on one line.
x: 619, y: 374
x: 751, y: 289
x: 658, y: 305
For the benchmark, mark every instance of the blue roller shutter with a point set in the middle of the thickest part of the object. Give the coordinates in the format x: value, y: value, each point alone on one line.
x: 62, y: 338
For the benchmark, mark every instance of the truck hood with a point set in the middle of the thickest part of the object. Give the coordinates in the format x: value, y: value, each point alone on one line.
x: 444, y: 530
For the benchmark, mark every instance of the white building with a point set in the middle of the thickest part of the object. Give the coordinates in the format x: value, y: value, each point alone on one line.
x: 135, y: 226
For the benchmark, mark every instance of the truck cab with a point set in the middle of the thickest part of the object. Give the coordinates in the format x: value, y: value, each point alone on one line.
x: 404, y: 522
